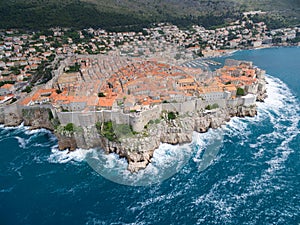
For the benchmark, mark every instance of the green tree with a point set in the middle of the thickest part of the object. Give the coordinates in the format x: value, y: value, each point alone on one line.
x: 27, y: 89
x: 101, y: 94
x: 70, y: 127
x: 171, y: 116
x: 240, y: 91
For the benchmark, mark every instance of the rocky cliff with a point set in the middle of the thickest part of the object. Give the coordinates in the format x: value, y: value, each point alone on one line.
x: 35, y: 117
x: 10, y: 115
x: 38, y: 118
x: 138, y: 148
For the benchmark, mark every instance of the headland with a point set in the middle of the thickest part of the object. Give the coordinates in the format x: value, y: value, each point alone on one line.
x: 128, y: 92
x: 130, y: 105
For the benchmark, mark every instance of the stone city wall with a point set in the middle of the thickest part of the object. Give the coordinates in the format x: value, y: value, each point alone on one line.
x: 140, y: 119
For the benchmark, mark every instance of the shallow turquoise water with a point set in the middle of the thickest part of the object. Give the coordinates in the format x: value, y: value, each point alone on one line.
x: 254, y: 179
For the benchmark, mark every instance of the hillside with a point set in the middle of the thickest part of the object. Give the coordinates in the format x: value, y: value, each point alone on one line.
x: 134, y: 14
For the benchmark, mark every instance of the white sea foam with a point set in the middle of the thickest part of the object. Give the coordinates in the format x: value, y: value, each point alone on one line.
x: 22, y: 142
x: 166, y: 161
x: 282, y: 110
x: 20, y: 127
x: 207, y: 146
x: 65, y: 156
x: 224, y: 206
x: 37, y: 131
x: 7, y: 190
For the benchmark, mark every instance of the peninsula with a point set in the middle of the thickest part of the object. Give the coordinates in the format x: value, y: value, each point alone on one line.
x: 129, y: 105
x: 128, y: 92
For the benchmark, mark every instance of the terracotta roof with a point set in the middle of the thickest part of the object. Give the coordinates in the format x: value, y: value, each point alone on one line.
x: 106, y: 102
x: 26, y: 101
x: 186, y: 80
x: 7, y: 86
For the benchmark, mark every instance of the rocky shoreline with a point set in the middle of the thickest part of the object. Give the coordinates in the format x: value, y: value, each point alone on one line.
x: 138, y: 149
x: 137, y: 145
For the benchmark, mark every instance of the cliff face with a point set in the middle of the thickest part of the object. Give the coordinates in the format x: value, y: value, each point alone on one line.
x: 138, y: 149
x: 11, y: 119
x: 38, y: 118
x: 66, y: 141
x: 35, y: 117
x: 10, y: 116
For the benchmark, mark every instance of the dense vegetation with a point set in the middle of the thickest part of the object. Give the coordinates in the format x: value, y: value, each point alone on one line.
x: 172, y: 115
x: 68, y: 128
x: 113, y: 131
x: 135, y: 14
x: 213, y: 106
x: 6, y: 82
x: 73, y: 68
x: 240, y: 92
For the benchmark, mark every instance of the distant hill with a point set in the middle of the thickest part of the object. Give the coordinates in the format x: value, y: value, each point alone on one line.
x: 134, y: 14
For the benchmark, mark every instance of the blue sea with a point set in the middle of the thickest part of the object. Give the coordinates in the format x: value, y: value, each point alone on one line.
x: 252, y: 178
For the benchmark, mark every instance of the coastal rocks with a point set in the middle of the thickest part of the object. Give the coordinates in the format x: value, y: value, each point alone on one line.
x: 176, y: 138
x: 177, y: 131
x: 66, y: 142
x: 242, y: 111
x: 137, y: 151
x: 12, y: 119
x: 87, y: 137
x: 138, y: 161
x: 10, y: 115
x: 212, y: 119
x: 138, y: 148
x: 202, y: 124
x: 35, y: 117
x: 218, y: 118
x: 38, y: 118
x: 261, y: 97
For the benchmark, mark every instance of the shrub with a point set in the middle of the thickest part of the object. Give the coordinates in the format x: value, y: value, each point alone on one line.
x: 101, y: 94
x: 13, y: 100
x: 106, y: 130
x: 240, y: 91
x: 69, y: 127
x: 27, y: 89
x: 50, y: 115
x: 214, y: 106
x: 171, y: 116
x: 74, y: 68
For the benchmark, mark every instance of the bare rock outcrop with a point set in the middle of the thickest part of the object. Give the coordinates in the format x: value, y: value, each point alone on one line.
x: 66, y: 142
x: 38, y: 118
x: 12, y: 119
x: 10, y: 115
x: 138, y: 148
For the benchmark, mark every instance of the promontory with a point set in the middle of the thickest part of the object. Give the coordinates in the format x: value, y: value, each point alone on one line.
x: 129, y: 105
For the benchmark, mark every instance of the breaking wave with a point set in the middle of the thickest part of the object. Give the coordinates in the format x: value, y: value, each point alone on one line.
x: 166, y: 161
x: 267, y: 139
x: 65, y: 156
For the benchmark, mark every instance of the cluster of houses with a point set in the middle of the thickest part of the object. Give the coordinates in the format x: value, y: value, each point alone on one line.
x: 21, y: 54
x: 139, y: 85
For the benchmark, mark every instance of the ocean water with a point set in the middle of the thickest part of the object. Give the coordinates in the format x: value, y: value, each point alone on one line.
x: 252, y: 178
